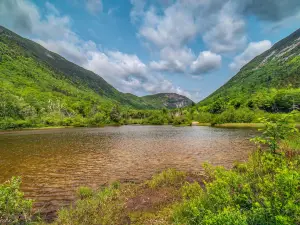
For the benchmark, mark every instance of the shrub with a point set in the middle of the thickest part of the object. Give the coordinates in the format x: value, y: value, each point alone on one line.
x: 265, y: 190
x: 167, y: 178
x: 273, y: 132
x: 14, y: 209
x: 84, y: 192
x: 103, y: 208
x: 181, y: 120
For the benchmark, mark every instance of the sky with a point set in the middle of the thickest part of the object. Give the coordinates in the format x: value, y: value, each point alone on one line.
x: 189, y: 47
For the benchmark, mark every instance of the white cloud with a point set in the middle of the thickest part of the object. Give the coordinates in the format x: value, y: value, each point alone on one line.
x: 137, y: 10
x: 51, y: 8
x: 220, y: 27
x: 175, y: 28
x: 228, y: 32
x: 218, y: 22
x: 253, y: 49
x: 129, y: 74
x: 173, y: 60
x: 206, y: 62
x: 94, y: 6
x: 221, y: 24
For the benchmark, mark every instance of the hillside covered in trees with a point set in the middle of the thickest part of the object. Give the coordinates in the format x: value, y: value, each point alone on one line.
x: 269, y: 82
x: 39, y: 87
x: 269, y: 85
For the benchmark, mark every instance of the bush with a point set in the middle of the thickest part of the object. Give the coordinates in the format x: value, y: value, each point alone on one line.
x: 102, y: 208
x: 167, y: 178
x: 14, y: 209
x: 181, y: 120
x: 84, y: 192
x: 265, y: 190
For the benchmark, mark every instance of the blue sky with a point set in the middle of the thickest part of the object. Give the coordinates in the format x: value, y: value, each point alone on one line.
x: 190, y: 47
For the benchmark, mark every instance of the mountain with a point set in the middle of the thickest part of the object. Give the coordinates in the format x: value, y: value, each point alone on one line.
x: 270, y: 81
x: 74, y: 75
x: 168, y: 100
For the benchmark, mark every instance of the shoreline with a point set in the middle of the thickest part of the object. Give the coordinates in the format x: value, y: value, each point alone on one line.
x: 194, y: 123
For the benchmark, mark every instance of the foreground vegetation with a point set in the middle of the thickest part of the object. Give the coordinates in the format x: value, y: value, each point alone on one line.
x: 263, y: 190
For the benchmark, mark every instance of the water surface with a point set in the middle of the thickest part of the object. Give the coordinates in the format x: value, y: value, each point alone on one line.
x: 54, y: 162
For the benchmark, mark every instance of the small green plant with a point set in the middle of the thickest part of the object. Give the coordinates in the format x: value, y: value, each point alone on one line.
x: 103, y: 208
x: 274, y: 132
x: 84, y: 192
x: 14, y: 208
x: 167, y: 178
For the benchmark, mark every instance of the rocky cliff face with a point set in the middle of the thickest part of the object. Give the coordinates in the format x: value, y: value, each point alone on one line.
x: 169, y: 100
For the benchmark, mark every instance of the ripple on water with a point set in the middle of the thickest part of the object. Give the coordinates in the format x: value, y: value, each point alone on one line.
x: 54, y: 163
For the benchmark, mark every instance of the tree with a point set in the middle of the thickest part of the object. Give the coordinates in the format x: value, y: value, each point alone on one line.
x: 115, y: 114
x: 273, y: 132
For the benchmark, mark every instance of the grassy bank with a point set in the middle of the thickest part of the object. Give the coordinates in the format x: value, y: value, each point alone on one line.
x: 240, y: 125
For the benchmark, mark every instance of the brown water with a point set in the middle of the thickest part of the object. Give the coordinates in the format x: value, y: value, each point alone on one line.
x: 53, y: 163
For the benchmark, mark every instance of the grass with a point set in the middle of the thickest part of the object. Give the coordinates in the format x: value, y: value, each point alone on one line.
x: 240, y: 125
x: 150, y: 202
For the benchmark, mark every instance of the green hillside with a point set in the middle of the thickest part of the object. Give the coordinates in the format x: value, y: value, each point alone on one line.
x: 41, y: 87
x: 269, y: 82
x: 268, y: 86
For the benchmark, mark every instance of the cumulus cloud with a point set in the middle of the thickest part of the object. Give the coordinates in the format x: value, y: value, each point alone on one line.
x: 137, y: 10
x: 51, y: 8
x: 221, y: 24
x: 173, y: 60
x: 125, y: 72
x: 253, y: 49
x: 228, y: 32
x: 222, y: 29
x: 173, y: 29
x: 129, y: 73
x: 94, y: 6
x: 206, y: 62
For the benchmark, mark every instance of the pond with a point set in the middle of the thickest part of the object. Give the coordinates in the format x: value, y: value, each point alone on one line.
x: 53, y: 163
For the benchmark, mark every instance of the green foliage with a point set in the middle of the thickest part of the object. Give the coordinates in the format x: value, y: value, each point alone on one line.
x: 265, y: 193
x: 99, y: 208
x: 273, y: 132
x: 40, y: 88
x: 181, y: 120
x: 115, y: 114
x: 167, y: 178
x: 84, y: 192
x: 14, y: 209
x: 265, y: 190
x: 270, y: 83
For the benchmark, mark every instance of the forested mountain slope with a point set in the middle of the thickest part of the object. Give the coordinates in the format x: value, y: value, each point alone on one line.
x: 68, y: 71
x: 39, y: 87
x: 270, y: 82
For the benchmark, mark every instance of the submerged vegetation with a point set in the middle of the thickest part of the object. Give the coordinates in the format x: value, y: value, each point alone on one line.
x: 263, y: 190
